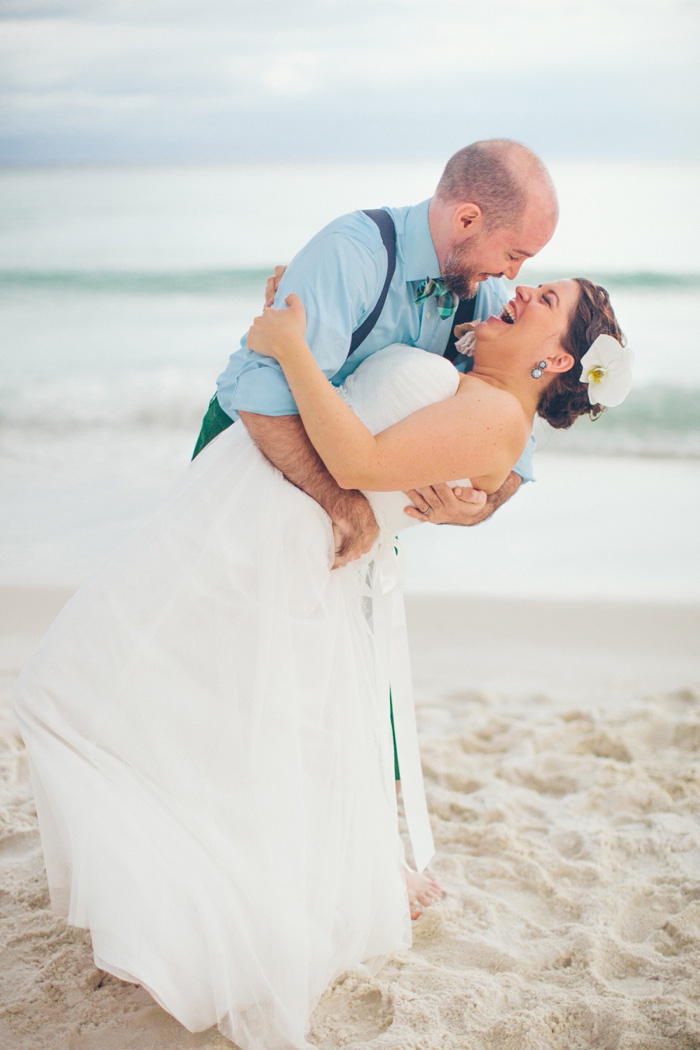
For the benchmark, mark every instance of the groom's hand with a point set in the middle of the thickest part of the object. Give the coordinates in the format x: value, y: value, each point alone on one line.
x: 354, y: 527
x: 443, y: 505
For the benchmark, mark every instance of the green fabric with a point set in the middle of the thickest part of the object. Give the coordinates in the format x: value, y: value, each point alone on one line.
x: 446, y: 300
x: 397, y: 774
x: 213, y: 423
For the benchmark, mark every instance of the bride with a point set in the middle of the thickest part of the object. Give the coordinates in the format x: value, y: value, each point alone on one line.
x: 207, y: 720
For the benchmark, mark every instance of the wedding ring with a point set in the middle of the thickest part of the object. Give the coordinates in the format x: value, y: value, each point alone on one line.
x: 427, y: 511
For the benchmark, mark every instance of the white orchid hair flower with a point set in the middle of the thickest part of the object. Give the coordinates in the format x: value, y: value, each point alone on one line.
x: 607, y: 368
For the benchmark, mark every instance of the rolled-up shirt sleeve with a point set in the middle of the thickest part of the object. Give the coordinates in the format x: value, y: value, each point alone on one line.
x: 338, y: 276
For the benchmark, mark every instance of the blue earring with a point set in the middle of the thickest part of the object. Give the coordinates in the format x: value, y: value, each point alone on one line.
x: 536, y: 373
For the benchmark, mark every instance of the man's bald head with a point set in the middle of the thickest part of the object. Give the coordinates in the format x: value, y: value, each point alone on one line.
x: 495, y: 206
x: 505, y: 179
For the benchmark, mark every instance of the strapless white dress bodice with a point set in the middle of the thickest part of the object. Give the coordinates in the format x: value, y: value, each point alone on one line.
x: 388, y: 386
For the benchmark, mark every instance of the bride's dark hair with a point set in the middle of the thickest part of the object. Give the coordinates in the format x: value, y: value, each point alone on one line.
x: 566, y: 397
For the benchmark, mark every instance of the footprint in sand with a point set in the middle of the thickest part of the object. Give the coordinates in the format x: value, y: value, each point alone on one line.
x: 352, y: 1010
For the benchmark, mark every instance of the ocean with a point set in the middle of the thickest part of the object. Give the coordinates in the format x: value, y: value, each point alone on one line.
x: 123, y: 290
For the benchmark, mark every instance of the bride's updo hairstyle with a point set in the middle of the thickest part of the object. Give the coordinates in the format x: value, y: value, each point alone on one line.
x: 566, y: 397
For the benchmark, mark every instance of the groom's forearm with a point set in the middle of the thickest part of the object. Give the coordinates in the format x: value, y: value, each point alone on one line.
x: 500, y: 496
x: 283, y: 440
x: 493, y: 501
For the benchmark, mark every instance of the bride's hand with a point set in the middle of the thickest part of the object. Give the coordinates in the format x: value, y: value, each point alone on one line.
x: 272, y: 284
x: 277, y: 332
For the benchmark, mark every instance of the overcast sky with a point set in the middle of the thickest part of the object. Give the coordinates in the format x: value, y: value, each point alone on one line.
x: 97, y: 80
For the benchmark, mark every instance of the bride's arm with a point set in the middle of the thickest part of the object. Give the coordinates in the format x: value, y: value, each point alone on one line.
x: 471, y: 436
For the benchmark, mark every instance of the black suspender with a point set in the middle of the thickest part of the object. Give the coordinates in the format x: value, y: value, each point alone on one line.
x: 388, y: 231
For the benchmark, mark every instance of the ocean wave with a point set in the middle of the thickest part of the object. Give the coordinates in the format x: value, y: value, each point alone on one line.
x: 633, y: 280
x: 137, y: 282
x: 163, y: 398
x: 654, y: 421
x: 228, y: 281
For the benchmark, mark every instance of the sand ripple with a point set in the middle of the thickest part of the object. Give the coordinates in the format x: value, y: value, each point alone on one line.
x: 569, y: 848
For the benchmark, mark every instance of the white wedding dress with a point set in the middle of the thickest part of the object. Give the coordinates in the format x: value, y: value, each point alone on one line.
x: 208, y: 733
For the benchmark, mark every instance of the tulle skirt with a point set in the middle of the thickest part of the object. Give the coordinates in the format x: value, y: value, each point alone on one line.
x: 211, y: 758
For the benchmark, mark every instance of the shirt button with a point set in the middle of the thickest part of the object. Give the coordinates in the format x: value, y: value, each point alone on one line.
x: 427, y: 313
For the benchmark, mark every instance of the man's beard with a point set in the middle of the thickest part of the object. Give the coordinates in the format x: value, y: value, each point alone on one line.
x: 460, y: 275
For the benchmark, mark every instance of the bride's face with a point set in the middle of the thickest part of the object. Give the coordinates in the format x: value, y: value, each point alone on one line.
x: 532, y: 323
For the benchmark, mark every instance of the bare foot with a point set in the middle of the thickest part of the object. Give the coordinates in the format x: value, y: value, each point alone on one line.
x: 422, y: 891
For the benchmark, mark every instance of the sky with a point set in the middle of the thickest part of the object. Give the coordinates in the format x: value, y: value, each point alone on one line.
x: 94, y: 81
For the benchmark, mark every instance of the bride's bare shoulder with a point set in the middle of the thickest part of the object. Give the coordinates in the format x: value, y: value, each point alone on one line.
x: 478, y: 396
x: 474, y: 387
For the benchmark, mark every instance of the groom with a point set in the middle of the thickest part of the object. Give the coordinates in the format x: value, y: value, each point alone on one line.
x: 395, y: 275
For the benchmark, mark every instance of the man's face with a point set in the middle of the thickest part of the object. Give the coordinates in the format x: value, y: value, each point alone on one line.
x: 500, y: 253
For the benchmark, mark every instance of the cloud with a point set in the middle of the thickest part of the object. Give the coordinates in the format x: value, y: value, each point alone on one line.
x: 547, y: 65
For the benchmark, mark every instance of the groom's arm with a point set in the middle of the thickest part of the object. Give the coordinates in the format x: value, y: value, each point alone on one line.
x: 283, y: 440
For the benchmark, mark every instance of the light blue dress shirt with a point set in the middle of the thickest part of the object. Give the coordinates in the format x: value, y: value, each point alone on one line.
x: 339, y: 276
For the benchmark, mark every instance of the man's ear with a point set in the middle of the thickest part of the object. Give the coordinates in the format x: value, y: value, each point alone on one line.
x: 468, y: 220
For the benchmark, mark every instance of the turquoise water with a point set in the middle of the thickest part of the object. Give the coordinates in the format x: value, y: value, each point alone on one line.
x: 117, y: 281
x: 123, y: 291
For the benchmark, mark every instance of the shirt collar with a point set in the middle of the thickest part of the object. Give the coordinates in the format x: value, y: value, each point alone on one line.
x: 419, y: 253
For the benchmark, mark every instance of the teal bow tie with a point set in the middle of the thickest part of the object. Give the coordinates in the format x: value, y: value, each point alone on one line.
x: 446, y: 300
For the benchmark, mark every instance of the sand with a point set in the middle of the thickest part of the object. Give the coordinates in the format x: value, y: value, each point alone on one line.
x: 560, y: 745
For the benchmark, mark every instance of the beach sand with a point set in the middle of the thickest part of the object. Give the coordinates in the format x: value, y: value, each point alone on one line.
x: 561, y: 749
